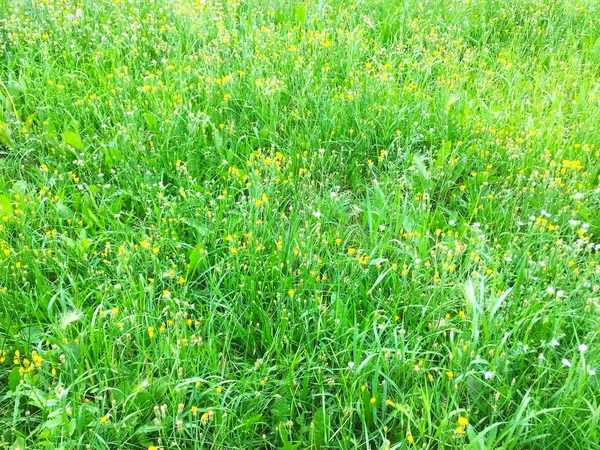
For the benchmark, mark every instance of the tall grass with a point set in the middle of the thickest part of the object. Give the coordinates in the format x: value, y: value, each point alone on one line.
x: 283, y: 224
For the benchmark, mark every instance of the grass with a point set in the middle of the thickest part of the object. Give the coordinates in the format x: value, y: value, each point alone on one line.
x: 279, y: 225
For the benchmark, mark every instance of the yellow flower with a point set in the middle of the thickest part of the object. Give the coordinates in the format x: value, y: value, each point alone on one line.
x: 459, y: 430
x: 449, y: 374
x: 291, y: 292
x: 463, y: 421
x: 410, y: 438
x: 150, y: 331
x: 373, y: 400
x: 37, y: 359
x: 104, y: 418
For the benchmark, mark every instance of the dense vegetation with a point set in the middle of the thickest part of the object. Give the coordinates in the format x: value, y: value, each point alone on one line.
x: 274, y: 224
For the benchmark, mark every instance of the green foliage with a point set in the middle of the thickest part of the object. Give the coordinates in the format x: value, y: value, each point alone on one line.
x: 289, y: 225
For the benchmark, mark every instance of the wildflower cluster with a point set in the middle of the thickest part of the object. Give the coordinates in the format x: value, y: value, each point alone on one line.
x: 298, y: 224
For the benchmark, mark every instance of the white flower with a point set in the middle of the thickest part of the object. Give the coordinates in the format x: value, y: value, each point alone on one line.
x: 583, y: 348
x: 488, y: 375
x: 560, y: 293
x: 351, y: 365
x: 451, y: 222
x: 317, y: 214
x: 591, y: 372
x: 566, y: 362
x: 550, y: 290
x: 541, y: 356
x: 554, y: 343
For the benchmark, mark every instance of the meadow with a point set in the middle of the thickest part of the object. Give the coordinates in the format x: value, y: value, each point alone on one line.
x: 275, y: 224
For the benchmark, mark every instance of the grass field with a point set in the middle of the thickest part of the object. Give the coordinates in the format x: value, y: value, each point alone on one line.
x: 268, y: 224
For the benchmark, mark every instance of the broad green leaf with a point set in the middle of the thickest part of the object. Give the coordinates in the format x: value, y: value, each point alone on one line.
x: 5, y: 135
x: 280, y: 410
x: 19, y: 187
x: 19, y: 444
x: 319, y: 428
x: 54, y: 422
x: 71, y: 427
x: 63, y: 211
x: 367, y: 408
x: 90, y: 216
x: 376, y: 261
x: 201, y: 229
x: 14, y: 379
x: 151, y: 122
x: 443, y: 153
x: 195, y: 256
x: 71, y: 138
x: 5, y: 204
x: 596, y: 50
x: 33, y: 334
x: 248, y: 422
x: 300, y: 14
